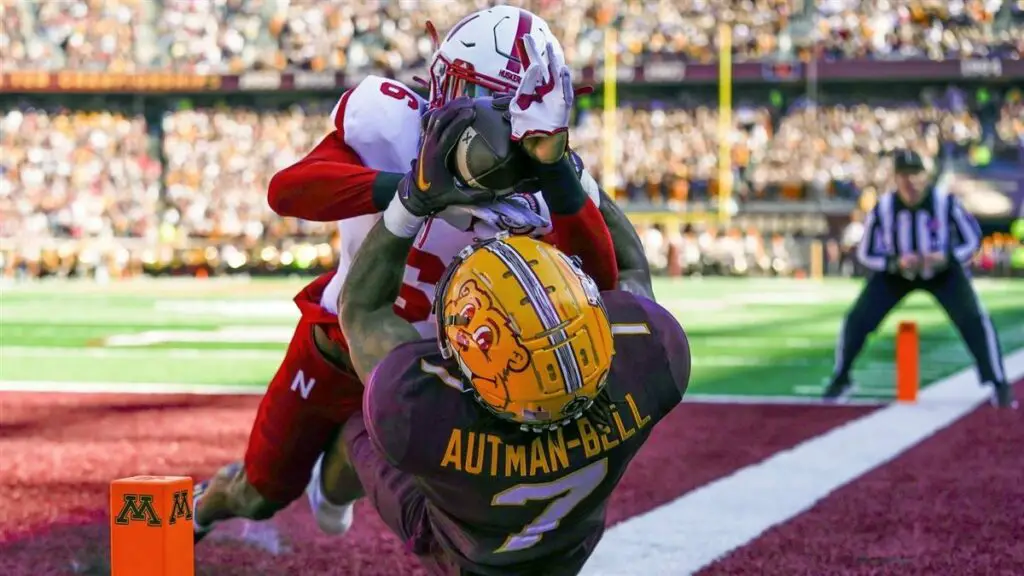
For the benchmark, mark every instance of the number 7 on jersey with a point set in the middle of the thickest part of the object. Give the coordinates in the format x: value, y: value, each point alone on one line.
x: 567, y: 492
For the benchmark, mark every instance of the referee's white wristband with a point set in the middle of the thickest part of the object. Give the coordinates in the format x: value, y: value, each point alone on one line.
x: 399, y: 221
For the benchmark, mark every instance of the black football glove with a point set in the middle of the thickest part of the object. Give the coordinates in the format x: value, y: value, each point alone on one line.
x: 430, y: 186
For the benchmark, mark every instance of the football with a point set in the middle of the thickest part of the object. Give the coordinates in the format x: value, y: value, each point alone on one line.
x: 485, y: 156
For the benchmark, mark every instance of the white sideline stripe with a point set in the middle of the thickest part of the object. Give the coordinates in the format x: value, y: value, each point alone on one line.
x: 136, y: 353
x: 52, y: 386
x: 708, y: 523
x: 861, y: 390
x: 776, y: 399
x: 128, y: 388
x: 58, y: 387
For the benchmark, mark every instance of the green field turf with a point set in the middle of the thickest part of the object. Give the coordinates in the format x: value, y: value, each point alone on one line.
x: 758, y: 337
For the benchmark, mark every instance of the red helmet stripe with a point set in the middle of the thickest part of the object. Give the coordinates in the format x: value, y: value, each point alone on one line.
x: 525, y: 24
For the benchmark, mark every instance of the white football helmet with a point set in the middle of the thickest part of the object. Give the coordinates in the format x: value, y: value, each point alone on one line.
x: 480, y: 54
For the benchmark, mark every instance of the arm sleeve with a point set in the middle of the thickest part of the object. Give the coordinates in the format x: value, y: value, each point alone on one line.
x: 330, y: 184
x: 967, y: 230
x: 868, y: 253
x: 333, y: 181
x: 585, y: 234
x: 579, y: 227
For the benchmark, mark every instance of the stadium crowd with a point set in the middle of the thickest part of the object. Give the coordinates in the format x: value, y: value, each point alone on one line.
x: 671, y: 155
x: 698, y: 250
x: 201, y: 172
x: 70, y: 173
x: 237, y: 35
x: 78, y: 174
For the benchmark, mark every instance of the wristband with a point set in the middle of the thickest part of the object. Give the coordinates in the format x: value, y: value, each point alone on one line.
x: 384, y: 186
x: 399, y: 221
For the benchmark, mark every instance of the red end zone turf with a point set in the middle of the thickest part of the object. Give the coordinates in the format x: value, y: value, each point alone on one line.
x: 953, y: 504
x: 61, y: 451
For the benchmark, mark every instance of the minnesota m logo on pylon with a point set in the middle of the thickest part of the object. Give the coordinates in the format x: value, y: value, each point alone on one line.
x: 181, y: 507
x: 141, y: 543
x: 139, y: 507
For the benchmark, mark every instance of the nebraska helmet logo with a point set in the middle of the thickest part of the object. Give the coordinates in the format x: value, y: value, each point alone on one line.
x: 527, y: 201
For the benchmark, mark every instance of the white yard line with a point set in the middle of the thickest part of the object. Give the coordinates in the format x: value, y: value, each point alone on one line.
x: 59, y: 387
x: 708, y: 523
x: 811, y: 391
x: 136, y: 353
x: 776, y: 399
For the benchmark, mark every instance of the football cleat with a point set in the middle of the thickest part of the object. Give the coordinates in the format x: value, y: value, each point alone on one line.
x: 198, y: 530
x: 331, y: 518
x: 839, y: 390
x: 1002, y: 396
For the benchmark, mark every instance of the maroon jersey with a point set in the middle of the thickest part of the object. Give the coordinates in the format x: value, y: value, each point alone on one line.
x: 506, y: 502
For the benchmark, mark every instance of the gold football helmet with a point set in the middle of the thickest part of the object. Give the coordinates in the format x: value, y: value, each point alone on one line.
x: 527, y: 328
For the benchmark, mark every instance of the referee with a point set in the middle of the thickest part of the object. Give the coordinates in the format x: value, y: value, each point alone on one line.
x: 919, y: 237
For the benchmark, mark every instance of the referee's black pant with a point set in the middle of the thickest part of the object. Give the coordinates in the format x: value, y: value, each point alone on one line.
x: 954, y: 292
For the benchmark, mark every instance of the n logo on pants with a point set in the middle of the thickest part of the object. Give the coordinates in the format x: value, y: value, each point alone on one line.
x: 300, y: 384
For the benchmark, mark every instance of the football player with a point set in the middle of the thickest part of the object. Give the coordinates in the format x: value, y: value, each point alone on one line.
x: 353, y: 175
x: 494, y: 448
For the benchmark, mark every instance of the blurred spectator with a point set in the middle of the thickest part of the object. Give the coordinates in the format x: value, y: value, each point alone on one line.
x: 933, y: 29
x: 219, y: 162
x: 1011, y: 118
x: 216, y: 36
x: 669, y: 156
x: 842, y: 148
x: 84, y: 35
x: 76, y: 174
x: 213, y: 36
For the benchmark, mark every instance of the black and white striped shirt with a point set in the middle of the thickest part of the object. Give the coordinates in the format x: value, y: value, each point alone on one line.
x: 938, y: 224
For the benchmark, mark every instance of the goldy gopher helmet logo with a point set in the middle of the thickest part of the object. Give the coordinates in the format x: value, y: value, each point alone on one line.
x: 484, y: 339
x: 527, y: 328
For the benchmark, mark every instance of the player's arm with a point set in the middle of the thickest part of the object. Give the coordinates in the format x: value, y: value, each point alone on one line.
x: 366, y: 303
x: 869, y: 254
x: 605, y: 239
x: 968, y: 232
x: 370, y: 126
x: 577, y: 219
x: 330, y: 184
x: 634, y: 271
x: 367, y: 315
x: 670, y: 336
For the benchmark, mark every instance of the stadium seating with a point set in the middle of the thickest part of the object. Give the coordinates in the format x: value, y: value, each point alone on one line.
x: 111, y: 168
x: 237, y: 35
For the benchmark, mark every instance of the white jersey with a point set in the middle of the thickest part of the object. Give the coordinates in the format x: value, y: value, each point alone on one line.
x: 379, y: 120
